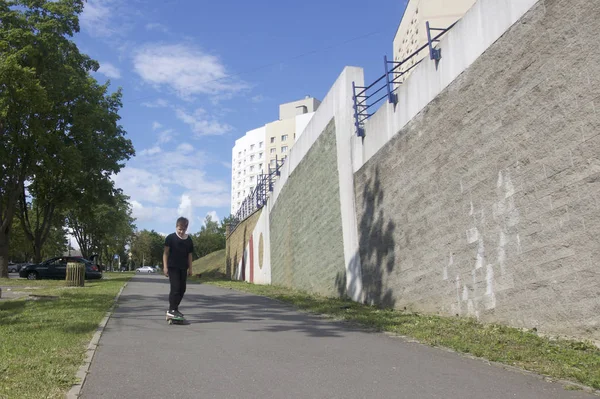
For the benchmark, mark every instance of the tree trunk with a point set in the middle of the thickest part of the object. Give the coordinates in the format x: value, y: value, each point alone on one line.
x: 3, y: 254
x: 9, y: 204
x: 37, y: 248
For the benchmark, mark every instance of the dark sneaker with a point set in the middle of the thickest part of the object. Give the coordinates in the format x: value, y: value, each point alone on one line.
x: 178, y: 313
x: 171, y: 313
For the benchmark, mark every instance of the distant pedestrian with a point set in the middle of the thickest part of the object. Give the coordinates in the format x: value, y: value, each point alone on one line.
x: 177, y: 264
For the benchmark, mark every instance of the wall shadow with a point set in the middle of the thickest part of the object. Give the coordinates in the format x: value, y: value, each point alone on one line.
x: 376, y: 244
x: 255, y: 314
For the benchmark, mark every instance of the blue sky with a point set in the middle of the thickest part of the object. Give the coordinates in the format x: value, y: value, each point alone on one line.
x: 196, y: 75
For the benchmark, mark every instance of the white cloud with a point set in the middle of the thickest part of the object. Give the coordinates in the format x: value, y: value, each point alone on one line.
x: 106, y: 18
x: 156, y: 125
x: 151, y: 151
x: 195, y: 180
x: 95, y: 17
x: 152, y: 213
x: 185, y: 148
x: 201, y: 124
x: 157, y: 27
x: 109, y: 70
x: 140, y: 184
x: 156, y: 180
x: 185, y: 69
x: 258, y: 99
x: 213, y: 200
x: 165, y: 136
x: 158, y: 103
x: 213, y: 215
x: 186, y: 209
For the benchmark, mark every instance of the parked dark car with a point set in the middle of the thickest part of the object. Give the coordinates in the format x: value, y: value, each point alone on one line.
x: 16, y: 267
x: 56, y: 268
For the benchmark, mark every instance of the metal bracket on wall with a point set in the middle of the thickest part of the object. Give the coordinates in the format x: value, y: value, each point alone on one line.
x: 359, y: 114
x: 434, y: 53
x: 392, y: 97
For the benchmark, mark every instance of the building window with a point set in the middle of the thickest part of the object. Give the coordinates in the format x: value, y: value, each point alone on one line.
x: 273, y: 150
x: 284, y: 149
x: 260, y: 144
x: 273, y: 163
x: 260, y: 166
x: 272, y: 139
x: 251, y: 189
x: 251, y: 147
x: 260, y: 155
x: 284, y: 137
x: 251, y: 158
x: 251, y: 168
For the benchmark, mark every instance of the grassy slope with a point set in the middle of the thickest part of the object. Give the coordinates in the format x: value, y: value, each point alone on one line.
x: 211, y: 263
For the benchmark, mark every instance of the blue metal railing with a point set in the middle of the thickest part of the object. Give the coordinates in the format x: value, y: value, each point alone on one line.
x: 367, y: 97
x: 259, y: 195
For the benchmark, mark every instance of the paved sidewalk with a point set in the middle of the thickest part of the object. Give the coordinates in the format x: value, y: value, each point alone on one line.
x: 243, y: 346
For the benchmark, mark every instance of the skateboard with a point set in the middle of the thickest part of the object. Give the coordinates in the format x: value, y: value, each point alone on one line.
x: 175, y: 320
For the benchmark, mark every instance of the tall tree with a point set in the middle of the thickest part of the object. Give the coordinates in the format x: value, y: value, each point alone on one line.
x: 41, y: 228
x: 210, y: 238
x: 101, y: 222
x: 42, y: 78
x: 20, y: 247
x: 147, y: 248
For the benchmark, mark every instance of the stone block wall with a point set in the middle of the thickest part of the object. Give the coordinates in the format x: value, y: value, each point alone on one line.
x: 306, y: 227
x: 487, y: 203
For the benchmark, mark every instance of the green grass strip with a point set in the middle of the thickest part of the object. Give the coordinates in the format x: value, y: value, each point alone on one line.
x: 557, y: 358
x: 45, y: 332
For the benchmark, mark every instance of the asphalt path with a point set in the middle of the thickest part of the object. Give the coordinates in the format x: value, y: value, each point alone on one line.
x: 243, y: 346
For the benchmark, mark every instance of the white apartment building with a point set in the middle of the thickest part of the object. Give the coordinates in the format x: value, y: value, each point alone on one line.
x: 283, y: 133
x: 247, y: 162
x: 412, y: 32
x: 262, y: 147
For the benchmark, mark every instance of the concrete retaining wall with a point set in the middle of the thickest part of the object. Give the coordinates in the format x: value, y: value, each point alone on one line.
x: 487, y: 203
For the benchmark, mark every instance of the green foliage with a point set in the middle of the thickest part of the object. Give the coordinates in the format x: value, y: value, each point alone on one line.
x: 102, y: 225
x: 210, y: 238
x: 147, y: 248
x: 60, y: 128
x: 20, y: 249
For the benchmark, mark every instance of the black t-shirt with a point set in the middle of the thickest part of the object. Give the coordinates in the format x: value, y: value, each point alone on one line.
x: 178, y: 251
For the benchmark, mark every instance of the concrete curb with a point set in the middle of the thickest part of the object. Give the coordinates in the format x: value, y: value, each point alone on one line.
x: 75, y: 390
